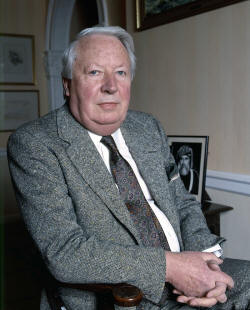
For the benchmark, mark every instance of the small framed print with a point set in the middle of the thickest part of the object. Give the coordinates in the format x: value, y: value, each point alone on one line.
x: 17, y: 108
x: 152, y: 13
x: 17, y: 59
x: 190, y: 153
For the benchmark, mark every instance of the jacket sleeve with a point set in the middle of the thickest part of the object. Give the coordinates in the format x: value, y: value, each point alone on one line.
x: 49, y: 214
x: 194, y: 231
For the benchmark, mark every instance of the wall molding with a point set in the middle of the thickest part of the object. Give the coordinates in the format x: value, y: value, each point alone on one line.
x: 229, y: 182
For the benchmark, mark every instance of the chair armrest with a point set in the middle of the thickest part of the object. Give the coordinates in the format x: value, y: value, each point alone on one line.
x: 124, y: 295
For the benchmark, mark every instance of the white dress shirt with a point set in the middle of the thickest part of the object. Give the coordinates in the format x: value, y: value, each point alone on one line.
x: 124, y: 151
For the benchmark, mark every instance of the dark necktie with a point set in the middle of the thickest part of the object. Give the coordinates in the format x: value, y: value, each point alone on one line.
x: 147, y: 224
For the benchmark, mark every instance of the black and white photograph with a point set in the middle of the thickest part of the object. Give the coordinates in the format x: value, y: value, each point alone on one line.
x: 190, y: 153
x: 17, y: 59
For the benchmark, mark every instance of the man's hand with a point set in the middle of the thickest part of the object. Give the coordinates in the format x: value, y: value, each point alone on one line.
x: 191, y: 274
x: 217, y: 294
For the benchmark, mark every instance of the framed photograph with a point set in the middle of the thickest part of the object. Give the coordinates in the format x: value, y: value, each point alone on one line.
x: 190, y: 153
x: 17, y: 59
x: 151, y: 13
x: 17, y: 108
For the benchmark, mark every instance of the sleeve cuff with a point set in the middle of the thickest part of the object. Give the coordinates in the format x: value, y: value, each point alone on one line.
x: 216, y: 249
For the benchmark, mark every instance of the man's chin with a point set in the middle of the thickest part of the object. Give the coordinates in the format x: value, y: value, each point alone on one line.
x: 105, y: 128
x: 110, y: 119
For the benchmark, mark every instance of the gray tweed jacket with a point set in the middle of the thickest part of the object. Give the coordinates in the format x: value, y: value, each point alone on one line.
x: 73, y: 211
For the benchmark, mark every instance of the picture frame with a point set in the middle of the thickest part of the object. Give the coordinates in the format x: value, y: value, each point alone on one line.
x: 17, y: 59
x: 18, y: 107
x: 151, y: 13
x: 190, y: 153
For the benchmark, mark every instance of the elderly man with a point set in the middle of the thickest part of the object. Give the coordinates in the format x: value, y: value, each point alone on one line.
x: 100, y: 194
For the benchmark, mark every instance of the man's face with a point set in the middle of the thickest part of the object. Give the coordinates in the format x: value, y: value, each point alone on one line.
x: 100, y: 87
x: 184, y: 165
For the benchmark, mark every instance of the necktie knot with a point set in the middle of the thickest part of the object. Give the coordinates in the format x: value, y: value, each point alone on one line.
x: 109, y: 142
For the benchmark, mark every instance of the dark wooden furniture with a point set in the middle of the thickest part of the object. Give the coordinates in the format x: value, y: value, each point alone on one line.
x: 212, y: 213
x: 123, y: 295
x: 20, y: 290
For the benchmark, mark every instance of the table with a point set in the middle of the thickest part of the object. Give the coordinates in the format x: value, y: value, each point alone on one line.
x: 212, y: 213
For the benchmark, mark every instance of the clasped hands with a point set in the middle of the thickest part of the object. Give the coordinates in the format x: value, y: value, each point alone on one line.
x: 197, y: 278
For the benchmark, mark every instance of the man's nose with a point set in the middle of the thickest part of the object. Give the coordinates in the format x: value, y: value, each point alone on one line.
x: 109, y: 84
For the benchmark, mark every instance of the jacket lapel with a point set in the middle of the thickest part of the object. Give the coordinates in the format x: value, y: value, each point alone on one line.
x: 85, y: 157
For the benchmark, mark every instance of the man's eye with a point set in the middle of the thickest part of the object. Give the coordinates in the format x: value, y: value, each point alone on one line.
x: 94, y: 72
x: 120, y: 72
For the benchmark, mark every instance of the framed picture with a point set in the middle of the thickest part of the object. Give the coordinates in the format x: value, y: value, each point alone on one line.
x: 17, y: 108
x: 151, y: 13
x: 17, y: 59
x: 190, y: 153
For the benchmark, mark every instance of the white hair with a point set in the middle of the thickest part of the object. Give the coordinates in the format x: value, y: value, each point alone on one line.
x: 122, y: 35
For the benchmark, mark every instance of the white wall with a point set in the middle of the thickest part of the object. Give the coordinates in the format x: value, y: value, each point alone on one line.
x: 235, y: 223
x: 194, y: 75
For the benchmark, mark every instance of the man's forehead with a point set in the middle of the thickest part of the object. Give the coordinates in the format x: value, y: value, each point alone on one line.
x: 96, y: 39
x: 102, y: 48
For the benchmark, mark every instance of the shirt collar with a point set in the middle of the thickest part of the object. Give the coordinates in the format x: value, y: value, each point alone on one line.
x: 97, y: 138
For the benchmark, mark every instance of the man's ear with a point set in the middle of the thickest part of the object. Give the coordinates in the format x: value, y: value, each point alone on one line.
x: 66, y: 87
